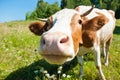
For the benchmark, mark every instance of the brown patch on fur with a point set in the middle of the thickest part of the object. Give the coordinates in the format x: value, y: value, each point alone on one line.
x: 89, y: 38
x: 76, y: 31
x: 90, y: 27
x: 39, y: 27
x: 96, y: 23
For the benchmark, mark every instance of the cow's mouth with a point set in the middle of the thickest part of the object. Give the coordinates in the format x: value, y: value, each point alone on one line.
x: 57, y: 59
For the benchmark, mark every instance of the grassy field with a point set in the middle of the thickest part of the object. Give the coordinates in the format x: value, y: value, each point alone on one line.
x: 19, y: 59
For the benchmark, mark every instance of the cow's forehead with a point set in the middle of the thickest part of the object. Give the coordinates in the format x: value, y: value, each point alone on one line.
x: 62, y: 20
x: 65, y: 14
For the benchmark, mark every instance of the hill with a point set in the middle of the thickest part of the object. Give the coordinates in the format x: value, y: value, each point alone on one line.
x: 19, y: 59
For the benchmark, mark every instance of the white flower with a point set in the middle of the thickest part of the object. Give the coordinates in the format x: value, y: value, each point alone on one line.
x: 59, y: 71
x: 64, y: 75
x: 47, y: 75
x: 60, y: 68
x: 68, y: 76
x: 45, y: 72
x: 53, y: 76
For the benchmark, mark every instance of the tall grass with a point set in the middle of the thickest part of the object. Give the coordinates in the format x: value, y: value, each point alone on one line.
x: 19, y: 59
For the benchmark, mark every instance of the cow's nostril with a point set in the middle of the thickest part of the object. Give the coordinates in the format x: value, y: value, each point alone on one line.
x: 64, y: 40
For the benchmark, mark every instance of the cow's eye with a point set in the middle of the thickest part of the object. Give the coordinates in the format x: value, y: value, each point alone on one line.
x: 80, y: 21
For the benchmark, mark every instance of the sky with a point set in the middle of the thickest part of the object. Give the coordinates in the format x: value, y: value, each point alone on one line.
x: 11, y: 10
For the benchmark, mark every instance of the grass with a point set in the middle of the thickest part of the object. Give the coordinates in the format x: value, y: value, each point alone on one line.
x: 19, y: 59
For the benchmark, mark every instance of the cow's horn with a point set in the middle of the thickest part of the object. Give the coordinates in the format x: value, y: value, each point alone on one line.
x: 87, y: 12
x: 41, y: 19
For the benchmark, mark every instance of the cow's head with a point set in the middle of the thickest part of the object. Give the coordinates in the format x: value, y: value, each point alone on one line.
x: 61, y: 35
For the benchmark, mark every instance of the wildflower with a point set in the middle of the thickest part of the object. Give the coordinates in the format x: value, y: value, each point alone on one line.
x: 64, y: 75
x: 53, y: 76
x: 47, y: 75
x: 60, y: 68
x: 42, y: 69
x: 45, y: 72
x: 59, y: 71
x: 68, y: 76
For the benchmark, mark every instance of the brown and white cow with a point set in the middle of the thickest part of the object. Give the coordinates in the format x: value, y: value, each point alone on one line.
x: 74, y: 32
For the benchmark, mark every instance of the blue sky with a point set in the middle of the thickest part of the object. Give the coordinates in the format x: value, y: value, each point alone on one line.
x: 11, y: 10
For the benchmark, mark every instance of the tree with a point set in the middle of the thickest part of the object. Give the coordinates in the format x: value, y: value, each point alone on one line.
x: 74, y: 3
x: 95, y: 2
x: 43, y: 10
x: 84, y: 2
x: 117, y: 13
x: 106, y: 4
x: 27, y: 15
x: 63, y: 4
x: 67, y: 4
x: 51, y: 9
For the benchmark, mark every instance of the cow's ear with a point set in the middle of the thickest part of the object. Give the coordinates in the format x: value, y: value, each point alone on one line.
x: 37, y: 27
x: 99, y: 22
x: 96, y: 23
x: 43, y: 25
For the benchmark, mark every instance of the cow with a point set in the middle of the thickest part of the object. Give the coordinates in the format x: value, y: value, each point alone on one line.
x: 75, y: 32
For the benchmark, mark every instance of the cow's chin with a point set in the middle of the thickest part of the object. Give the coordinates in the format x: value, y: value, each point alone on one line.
x: 57, y: 59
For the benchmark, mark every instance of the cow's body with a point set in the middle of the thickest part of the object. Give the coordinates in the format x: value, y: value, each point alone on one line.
x: 70, y: 32
x: 104, y: 36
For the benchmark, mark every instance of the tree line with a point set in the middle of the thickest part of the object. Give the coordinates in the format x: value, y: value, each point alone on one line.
x: 44, y: 9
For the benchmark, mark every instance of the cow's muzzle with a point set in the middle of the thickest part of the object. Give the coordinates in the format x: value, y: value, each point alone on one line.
x: 56, y: 47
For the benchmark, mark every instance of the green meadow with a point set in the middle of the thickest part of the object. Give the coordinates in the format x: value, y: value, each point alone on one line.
x: 20, y: 60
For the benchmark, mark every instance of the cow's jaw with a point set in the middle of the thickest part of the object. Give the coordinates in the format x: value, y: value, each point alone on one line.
x: 57, y: 59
